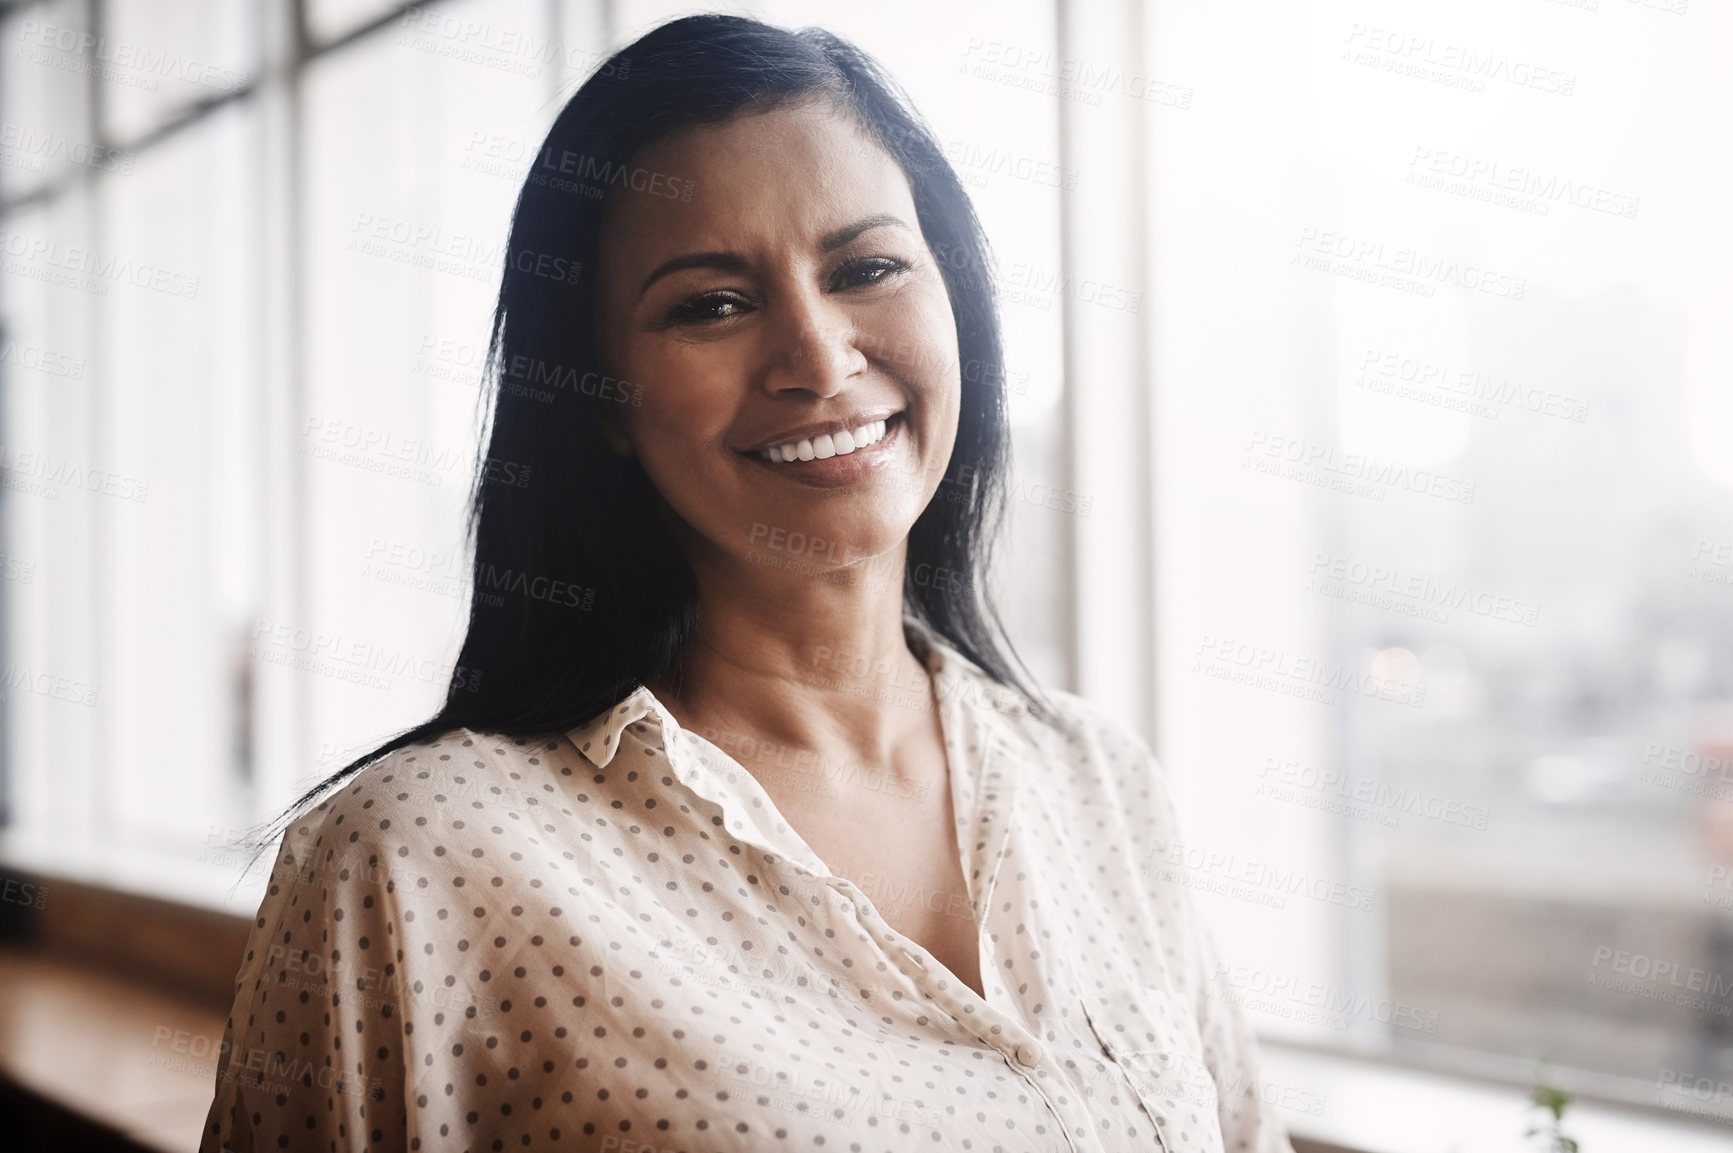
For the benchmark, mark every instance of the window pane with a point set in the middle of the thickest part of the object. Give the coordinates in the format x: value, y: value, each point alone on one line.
x: 157, y: 58
x: 46, y: 374
x: 46, y: 133
x: 129, y: 366
x: 415, y: 159
x: 180, y: 428
x: 1442, y: 336
x: 329, y: 20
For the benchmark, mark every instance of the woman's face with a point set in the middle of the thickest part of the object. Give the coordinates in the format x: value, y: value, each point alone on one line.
x: 792, y: 298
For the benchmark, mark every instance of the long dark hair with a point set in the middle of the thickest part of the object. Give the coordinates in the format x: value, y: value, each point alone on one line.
x: 580, y: 593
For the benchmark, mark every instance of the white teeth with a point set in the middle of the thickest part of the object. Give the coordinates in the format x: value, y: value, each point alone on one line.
x: 824, y: 447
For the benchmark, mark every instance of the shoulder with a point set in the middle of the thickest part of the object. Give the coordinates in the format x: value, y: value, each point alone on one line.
x: 427, y: 795
x: 1105, y: 755
x: 1089, y: 729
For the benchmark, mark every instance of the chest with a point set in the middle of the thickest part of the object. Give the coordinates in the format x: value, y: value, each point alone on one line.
x: 898, y: 844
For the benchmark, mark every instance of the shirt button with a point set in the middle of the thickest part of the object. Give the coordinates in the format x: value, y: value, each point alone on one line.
x: 1029, y: 1054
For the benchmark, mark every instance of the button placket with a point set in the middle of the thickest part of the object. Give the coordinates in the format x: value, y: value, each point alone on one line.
x: 991, y: 1026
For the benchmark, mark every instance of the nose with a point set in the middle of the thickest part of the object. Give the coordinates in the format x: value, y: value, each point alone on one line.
x: 813, y: 346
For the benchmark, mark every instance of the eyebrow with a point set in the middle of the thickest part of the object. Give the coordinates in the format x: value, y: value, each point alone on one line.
x: 734, y: 262
x: 831, y: 241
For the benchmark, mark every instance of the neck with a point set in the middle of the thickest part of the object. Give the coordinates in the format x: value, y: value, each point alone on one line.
x: 802, y: 661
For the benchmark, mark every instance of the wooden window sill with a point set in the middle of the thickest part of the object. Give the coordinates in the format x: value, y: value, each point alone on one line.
x: 124, y: 1056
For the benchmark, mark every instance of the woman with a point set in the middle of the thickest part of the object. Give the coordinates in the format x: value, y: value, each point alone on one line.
x: 737, y: 830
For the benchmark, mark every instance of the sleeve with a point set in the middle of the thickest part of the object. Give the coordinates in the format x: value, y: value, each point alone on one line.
x: 1249, y: 1124
x: 313, y: 1053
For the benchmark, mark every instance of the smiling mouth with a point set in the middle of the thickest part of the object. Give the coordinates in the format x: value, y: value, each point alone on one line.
x: 844, y: 443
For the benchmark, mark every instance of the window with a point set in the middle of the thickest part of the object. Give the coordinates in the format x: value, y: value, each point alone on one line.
x: 1442, y: 395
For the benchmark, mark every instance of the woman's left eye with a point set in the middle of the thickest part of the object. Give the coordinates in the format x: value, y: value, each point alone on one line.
x: 866, y: 271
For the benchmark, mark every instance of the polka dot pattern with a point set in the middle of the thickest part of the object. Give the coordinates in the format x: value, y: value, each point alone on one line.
x: 610, y: 939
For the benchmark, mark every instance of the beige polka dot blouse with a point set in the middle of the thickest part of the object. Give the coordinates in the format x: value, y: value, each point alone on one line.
x: 610, y: 940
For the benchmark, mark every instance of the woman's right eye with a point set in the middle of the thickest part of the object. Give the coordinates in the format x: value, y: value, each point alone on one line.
x: 709, y: 307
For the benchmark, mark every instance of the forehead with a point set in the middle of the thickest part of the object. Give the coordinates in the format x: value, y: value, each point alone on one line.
x: 783, y: 176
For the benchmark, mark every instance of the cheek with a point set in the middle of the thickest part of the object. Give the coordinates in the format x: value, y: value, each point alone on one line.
x: 672, y: 439
x: 919, y: 343
x: 679, y: 437
x: 686, y: 399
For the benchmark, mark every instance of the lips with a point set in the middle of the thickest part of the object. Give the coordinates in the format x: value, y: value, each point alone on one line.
x: 855, y: 424
x: 826, y: 445
x: 862, y: 463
